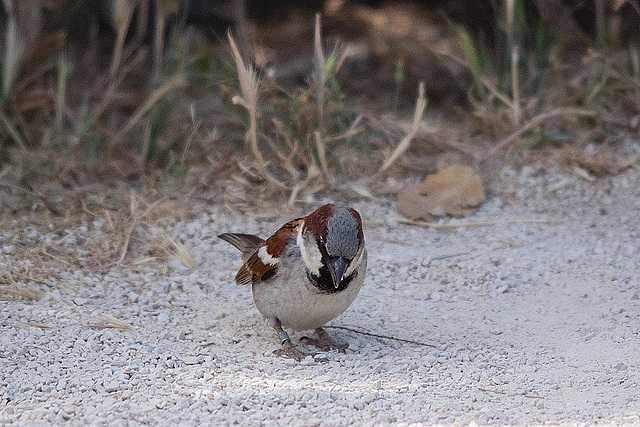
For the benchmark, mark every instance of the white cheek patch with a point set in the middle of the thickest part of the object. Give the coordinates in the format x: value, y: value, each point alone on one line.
x: 310, y: 254
x: 265, y: 257
x: 355, y: 262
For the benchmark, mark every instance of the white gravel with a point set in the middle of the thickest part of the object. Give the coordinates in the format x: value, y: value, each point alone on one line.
x: 532, y: 323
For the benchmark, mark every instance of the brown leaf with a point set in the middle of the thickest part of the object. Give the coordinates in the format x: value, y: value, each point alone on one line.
x: 455, y: 191
x: 412, y: 204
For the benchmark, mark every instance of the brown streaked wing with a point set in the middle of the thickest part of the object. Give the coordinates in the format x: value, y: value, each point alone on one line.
x: 254, y: 270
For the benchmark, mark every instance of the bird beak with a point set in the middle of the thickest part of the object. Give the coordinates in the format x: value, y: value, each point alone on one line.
x: 337, y: 271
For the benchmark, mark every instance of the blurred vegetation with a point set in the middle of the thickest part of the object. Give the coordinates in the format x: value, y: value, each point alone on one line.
x: 108, y: 91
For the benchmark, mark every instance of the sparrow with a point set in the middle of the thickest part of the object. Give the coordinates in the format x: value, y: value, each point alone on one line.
x: 306, y: 274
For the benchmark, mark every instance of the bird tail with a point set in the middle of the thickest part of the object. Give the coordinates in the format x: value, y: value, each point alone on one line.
x: 245, y: 243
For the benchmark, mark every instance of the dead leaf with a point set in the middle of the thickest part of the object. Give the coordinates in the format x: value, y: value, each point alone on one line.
x: 456, y: 190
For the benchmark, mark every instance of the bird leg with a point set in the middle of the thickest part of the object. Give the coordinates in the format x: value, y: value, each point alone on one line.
x: 324, y: 342
x: 288, y: 349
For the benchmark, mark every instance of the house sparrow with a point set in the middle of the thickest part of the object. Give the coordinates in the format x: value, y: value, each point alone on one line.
x: 306, y: 274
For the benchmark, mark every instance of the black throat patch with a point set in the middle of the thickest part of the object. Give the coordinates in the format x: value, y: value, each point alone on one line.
x: 323, y: 281
x: 325, y: 284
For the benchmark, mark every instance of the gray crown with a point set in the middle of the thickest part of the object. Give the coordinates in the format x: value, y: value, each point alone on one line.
x: 342, y: 233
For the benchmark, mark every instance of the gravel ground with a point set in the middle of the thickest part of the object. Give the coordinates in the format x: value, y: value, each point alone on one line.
x: 531, y: 322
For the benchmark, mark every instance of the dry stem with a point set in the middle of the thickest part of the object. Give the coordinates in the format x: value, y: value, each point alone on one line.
x: 536, y: 121
x: 322, y: 154
x: 158, y: 94
x: 477, y: 224
x: 249, y: 87
x: 319, y: 69
x: 421, y: 105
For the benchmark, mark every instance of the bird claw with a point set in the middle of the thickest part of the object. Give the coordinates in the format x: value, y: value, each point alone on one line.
x: 324, y: 342
x: 291, y: 351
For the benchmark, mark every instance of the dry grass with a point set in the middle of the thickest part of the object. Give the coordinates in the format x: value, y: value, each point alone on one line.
x: 79, y: 121
x: 421, y: 105
x: 249, y: 87
x: 446, y: 225
x: 601, y: 161
x: 109, y: 322
x: 132, y: 235
x: 21, y: 282
x: 169, y: 247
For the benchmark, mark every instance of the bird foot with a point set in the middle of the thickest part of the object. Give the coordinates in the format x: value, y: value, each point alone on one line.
x: 324, y: 342
x: 291, y: 351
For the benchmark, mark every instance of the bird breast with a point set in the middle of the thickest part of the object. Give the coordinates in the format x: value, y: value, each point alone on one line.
x: 295, y: 302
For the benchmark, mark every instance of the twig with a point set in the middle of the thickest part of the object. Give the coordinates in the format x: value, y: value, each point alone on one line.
x: 294, y: 194
x: 110, y: 322
x: 369, y: 334
x: 421, y: 105
x: 528, y: 396
x: 319, y: 68
x: 322, y: 156
x: 495, y: 365
x: 484, y: 80
x: 136, y: 220
x: 491, y: 391
x: 194, y: 131
x: 536, y: 121
x: 39, y: 325
x: 354, y: 129
x: 633, y: 4
x: 495, y: 92
x: 144, y: 108
x: 48, y: 204
x: 15, y: 187
x: 477, y: 224
x: 36, y: 194
x: 248, y: 79
x: 12, y: 130
x: 127, y: 239
x: 123, y: 12
x: 439, y: 258
x: 515, y: 84
x: 14, y: 49
x: 87, y: 210
x: 56, y: 258
x: 113, y: 86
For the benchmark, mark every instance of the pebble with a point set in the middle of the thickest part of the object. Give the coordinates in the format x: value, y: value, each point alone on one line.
x: 110, y: 387
x: 509, y: 319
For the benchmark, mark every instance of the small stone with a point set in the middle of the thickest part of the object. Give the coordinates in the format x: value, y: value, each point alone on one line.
x: 191, y: 360
x: 430, y: 360
x: 111, y: 386
x: 617, y: 337
x: 176, y: 264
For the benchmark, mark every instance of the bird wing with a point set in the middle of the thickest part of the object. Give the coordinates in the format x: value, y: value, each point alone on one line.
x: 263, y: 263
